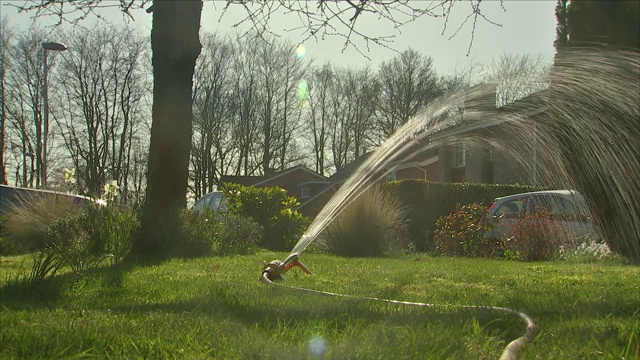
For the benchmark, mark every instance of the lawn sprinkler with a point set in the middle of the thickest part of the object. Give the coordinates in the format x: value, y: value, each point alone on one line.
x: 276, y: 269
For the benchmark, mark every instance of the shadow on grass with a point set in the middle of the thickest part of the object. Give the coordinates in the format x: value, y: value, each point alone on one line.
x: 20, y: 293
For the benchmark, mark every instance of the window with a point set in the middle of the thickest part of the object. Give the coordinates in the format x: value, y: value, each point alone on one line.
x: 305, y: 192
x: 459, y: 155
x: 511, y: 209
x: 558, y: 207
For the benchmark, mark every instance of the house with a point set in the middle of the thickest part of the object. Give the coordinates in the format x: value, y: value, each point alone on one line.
x: 298, y: 181
x: 502, y: 149
x: 477, y: 148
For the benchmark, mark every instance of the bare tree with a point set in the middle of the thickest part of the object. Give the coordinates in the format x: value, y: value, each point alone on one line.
x: 280, y: 73
x: 5, y: 39
x: 104, y: 84
x: 245, y: 104
x: 175, y: 45
x: 516, y: 76
x: 319, y: 114
x: 408, y: 82
x: 353, y: 99
x: 213, y: 147
x: 23, y: 86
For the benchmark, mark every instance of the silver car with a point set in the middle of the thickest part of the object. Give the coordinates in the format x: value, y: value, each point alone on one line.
x: 568, y: 211
x: 214, y: 201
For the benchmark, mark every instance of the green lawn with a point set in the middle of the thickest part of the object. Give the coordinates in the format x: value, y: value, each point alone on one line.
x: 217, y: 308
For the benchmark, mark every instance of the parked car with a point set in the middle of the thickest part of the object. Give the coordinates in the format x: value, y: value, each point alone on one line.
x: 214, y: 201
x: 568, y: 211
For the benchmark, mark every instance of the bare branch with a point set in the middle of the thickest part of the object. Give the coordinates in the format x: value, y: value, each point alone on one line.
x: 74, y: 11
x: 340, y: 18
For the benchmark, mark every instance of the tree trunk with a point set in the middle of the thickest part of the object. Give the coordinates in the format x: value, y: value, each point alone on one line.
x: 176, y: 46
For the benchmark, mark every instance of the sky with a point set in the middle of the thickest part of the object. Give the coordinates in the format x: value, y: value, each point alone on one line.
x: 525, y: 27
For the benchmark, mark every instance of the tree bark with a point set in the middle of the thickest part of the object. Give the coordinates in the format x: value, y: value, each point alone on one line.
x: 176, y: 46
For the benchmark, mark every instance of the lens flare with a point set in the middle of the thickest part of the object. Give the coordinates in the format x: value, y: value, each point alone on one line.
x: 303, y: 91
x: 581, y: 133
x: 301, y: 51
x: 317, y: 347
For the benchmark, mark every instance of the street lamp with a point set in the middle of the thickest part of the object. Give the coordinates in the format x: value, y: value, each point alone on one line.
x: 46, y: 46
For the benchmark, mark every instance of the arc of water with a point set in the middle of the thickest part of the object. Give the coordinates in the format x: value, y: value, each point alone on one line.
x: 415, y: 134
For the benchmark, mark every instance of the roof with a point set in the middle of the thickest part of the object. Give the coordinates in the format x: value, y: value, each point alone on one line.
x: 288, y: 171
x: 242, y: 180
x: 541, y: 193
x: 344, y: 173
x: 533, y: 104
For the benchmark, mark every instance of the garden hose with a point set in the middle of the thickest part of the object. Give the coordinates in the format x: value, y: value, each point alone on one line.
x: 276, y: 269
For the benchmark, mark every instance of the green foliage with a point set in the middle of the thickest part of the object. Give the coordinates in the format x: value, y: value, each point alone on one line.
x: 45, y: 265
x: 463, y: 233
x: 535, y: 237
x: 109, y: 230
x: 86, y: 240
x: 214, y: 308
x: 26, y: 226
x: 428, y: 201
x: 209, y: 233
x: 612, y: 22
x: 8, y: 247
x: 197, y: 235
x: 237, y: 236
x: 372, y: 225
x: 272, y: 209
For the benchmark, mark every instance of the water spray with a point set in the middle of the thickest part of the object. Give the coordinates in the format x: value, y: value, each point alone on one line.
x: 594, y: 99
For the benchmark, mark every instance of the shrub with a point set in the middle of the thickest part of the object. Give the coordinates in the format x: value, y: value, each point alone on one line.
x: 272, y: 209
x: 372, y: 225
x: 198, y: 233
x: 428, y: 201
x: 8, y: 247
x: 85, y: 240
x: 589, y: 251
x: 210, y: 233
x: 109, y: 230
x: 536, y: 237
x: 237, y: 236
x: 27, y: 225
x: 463, y: 233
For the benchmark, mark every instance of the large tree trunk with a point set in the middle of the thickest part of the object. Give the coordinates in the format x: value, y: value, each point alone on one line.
x: 176, y: 46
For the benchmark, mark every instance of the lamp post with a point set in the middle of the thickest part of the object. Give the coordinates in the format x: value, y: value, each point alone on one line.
x: 46, y: 46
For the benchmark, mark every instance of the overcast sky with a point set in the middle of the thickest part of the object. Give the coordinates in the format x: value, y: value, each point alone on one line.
x: 526, y: 27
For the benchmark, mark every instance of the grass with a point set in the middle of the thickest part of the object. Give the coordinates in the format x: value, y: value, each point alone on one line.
x: 217, y: 308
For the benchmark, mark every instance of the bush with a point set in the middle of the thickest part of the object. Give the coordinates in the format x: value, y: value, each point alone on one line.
x: 536, y: 237
x: 372, y: 225
x: 590, y: 251
x: 83, y: 241
x: 26, y: 226
x: 237, y: 236
x: 197, y: 235
x: 8, y: 247
x: 272, y: 209
x: 428, y: 201
x: 210, y: 233
x: 463, y: 233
